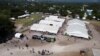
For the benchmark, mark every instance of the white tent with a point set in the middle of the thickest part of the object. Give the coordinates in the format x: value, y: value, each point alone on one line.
x: 18, y: 35
x: 12, y: 18
x: 77, y: 28
x: 49, y: 22
x: 55, y: 19
x: 44, y: 28
x: 76, y: 21
x: 25, y: 15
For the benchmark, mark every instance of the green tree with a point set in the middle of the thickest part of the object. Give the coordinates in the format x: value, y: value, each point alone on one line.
x: 6, y: 28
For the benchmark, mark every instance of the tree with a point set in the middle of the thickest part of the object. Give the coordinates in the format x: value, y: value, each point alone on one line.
x: 6, y: 28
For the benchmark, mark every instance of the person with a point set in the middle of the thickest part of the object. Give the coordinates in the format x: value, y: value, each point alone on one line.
x: 7, y: 49
x: 26, y: 37
x: 43, y: 52
x: 11, y: 53
x: 39, y: 52
x: 27, y: 45
x: 42, y: 38
x: 33, y: 50
x: 82, y: 53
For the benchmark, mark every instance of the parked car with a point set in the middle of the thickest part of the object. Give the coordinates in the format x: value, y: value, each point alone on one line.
x: 37, y: 36
x: 49, y: 38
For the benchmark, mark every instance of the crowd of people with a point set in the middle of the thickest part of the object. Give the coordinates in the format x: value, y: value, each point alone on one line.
x: 26, y: 46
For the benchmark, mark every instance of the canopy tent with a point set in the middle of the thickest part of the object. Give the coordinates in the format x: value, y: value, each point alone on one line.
x: 52, y: 16
x: 76, y: 28
x: 76, y: 21
x: 44, y: 28
x: 52, y: 23
x: 55, y: 19
x: 18, y: 35
x: 77, y: 31
x: 13, y: 18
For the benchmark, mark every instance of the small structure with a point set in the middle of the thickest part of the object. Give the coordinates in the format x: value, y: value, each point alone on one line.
x: 89, y: 12
x: 23, y: 16
x: 13, y: 18
x: 19, y: 35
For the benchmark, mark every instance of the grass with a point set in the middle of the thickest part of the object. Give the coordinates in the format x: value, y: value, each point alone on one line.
x: 28, y: 21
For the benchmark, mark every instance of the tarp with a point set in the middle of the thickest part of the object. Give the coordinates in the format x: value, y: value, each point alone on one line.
x: 77, y: 31
x: 77, y: 28
x: 76, y: 21
x: 44, y: 28
x: 52, y: 23
x: 55, y: 18
x: 18, y: 35
x: 25, y: 15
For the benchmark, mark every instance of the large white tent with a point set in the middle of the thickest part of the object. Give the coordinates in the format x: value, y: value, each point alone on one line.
x: 55, y: 18
x: 44, y: 28
x: 76, y: 28
x: 76, y: 21
x: 52, y: 23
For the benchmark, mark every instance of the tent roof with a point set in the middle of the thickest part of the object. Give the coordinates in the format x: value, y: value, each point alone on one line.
x: 17, y: 35
x: 55, y: 19
x: 76, y: 21
x: 44, y: 28
x: 25, y: 15
x: 77, y: 28
x: 48, y: 22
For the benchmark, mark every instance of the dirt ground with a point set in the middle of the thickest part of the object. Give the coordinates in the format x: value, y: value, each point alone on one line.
x: 64, y: 46
x: 96, y: 24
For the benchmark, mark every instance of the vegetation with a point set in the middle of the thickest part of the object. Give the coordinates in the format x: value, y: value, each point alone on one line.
x: 29, y: 21
x: 6, y: 26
